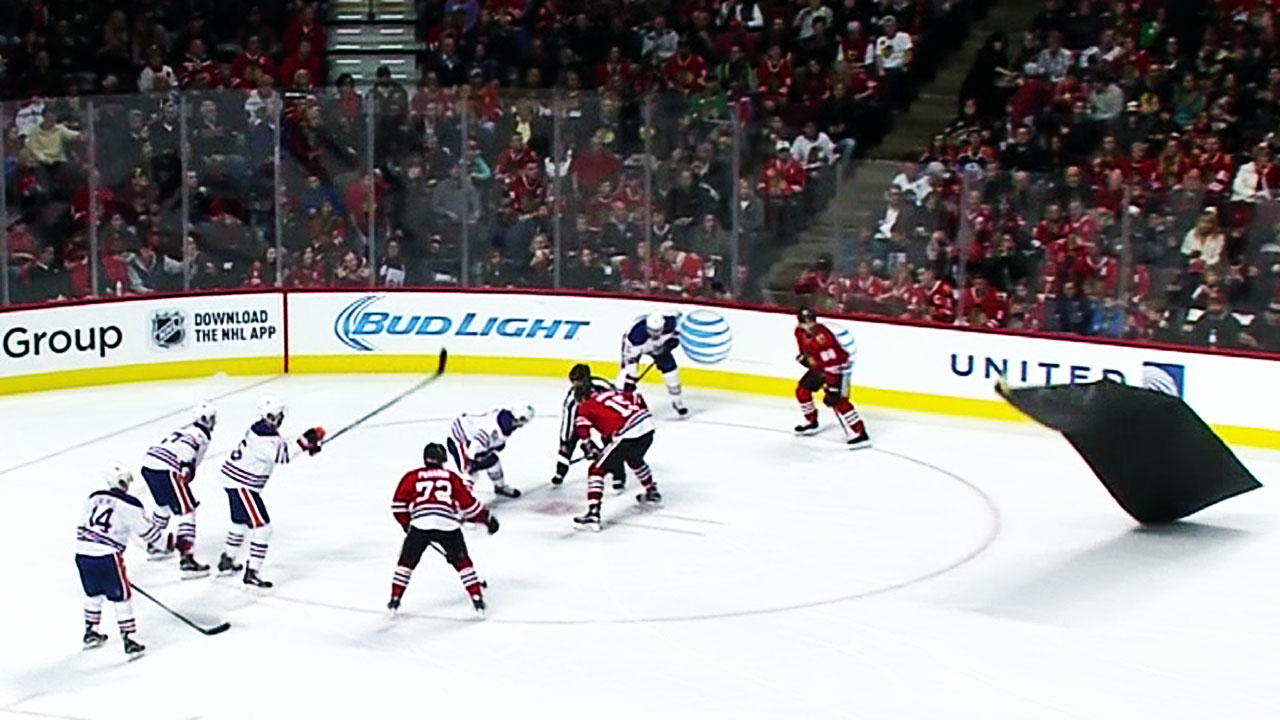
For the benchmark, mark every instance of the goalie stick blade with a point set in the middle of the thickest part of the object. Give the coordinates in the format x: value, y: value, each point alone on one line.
x: 216, y: 630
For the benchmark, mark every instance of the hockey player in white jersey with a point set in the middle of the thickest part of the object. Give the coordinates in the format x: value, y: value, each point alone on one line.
x: 475, y: 439
x: 657, y: 336
x: 169, y: 468
x: 111, y: 516
x: 245, y: 474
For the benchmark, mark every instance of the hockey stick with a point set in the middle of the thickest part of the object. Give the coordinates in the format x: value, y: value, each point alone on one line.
x: 444, y: 357
x: 203, y: 630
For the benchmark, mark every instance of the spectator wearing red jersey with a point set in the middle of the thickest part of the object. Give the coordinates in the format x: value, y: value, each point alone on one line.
x: 514, y: 157
x: 195, y: 65
x: 305, y: 26
x: 775, y: 65
x: 681, y: 272
x: 817, y: 285
x: 685, y: 69
x: 595, y: 164
x: 252, y: 56
x: 615, y: 68
x: 781, y: 185
x: 983, y: 306
x: 303, y: 58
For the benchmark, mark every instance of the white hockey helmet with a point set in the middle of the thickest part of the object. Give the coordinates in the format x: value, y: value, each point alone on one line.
x: 271, y: 409
x: 656, y: 321
x: 204, y: 413
x: 117, y: 477
x: 522, y: 413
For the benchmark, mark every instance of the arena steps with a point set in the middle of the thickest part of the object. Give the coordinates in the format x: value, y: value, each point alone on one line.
x: 367, y: 34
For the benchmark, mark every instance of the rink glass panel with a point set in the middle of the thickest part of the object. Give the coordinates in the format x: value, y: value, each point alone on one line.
x: 626, y: 191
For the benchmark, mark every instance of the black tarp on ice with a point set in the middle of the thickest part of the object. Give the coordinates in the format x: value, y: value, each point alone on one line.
x: 1155, y: 456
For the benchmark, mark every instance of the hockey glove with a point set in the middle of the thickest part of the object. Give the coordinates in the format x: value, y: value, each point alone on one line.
x: 590, y: 450
x: 491, y: 524
x: 483, y: 461
x: 315, y: 439
x: 803, y: 359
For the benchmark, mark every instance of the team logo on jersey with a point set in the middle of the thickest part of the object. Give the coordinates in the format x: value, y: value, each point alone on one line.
x: 168, y: 329
x: 705, y: 336
x: 1164, y: 377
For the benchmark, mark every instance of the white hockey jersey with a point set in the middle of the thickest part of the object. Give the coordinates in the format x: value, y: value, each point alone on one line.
x: 637, y: 342
x: 180, y: 450
x: 109, y: 519
x: 250, y: 464
x: 476, y: 434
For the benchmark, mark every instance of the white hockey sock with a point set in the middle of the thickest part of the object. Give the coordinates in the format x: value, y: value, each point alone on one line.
x: 235, y: 538
x: 644, y: 475
x: 672, y: 381
x: 496, y: 476
x: 124, y: 616
x: 186, y: 532
x: 93, y: 610
x: 258, y: 547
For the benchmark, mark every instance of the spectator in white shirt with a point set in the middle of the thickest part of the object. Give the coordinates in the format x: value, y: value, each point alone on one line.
x: 660, y: 42
x: 804, y: 19
x: 156, y: 68
x: 1107, y: 102
x: 810, y: 140
x: 1256, y: 179
x: 890, y: 54
x: 1055, y: 60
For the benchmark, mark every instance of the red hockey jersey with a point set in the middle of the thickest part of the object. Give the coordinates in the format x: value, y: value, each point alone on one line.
x: 614, y: 414
x: 821, y: 350
x: 435, y: 499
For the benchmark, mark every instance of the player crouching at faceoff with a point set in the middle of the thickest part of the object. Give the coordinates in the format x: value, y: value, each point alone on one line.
x: 569, y: 433
x: 169, y: 468
x: 476, y: 439
x: 430, y: 503
x: 626, y: 429
x: 828, y: 370
x: 245, y: 474
x: 111, y: 516
x: 657, y: 336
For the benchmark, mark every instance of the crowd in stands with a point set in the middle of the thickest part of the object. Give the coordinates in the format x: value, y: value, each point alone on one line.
x: 1113, y: 175
x: 199, y: 144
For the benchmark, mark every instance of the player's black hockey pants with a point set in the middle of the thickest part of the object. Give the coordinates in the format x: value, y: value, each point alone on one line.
x: 416, y: 542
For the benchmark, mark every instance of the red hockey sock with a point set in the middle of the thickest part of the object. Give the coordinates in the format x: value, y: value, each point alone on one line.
x: 400, y: 581
x: 849, y: 417
x: 467, y: 573
x: 805, y: 398
x: 595, y: 489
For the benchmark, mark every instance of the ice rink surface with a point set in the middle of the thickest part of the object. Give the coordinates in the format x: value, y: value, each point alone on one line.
x: 958, y: 570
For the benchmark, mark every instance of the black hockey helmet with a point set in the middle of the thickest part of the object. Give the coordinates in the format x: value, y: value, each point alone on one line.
x: 581, y: 373
x: 433, y: 455
x: 806, y: 315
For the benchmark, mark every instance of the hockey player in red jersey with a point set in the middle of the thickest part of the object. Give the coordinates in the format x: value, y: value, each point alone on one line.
x: 431, y: 503
x: 827, y: 364
x: 625, y: 427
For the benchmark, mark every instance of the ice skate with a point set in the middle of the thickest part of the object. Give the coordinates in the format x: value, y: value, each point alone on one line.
x: 191, y: 568
x: 808, y: 428
x: 393, y: 606
x: 93, y: 638
x: 650, y: 496
x: 590, y: 520
x: 506, y: 491
x: 477, y: 602
x: 132, y: 648
x: 557, y: 479
x: 620, y: 483
x: 252, y: 579
x: 227, y: 565
x: 680, y: 408
x: 157, y: 552
x: 860, y: 441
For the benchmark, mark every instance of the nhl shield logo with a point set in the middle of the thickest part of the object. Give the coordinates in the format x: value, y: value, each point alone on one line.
x: 168, y: 329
